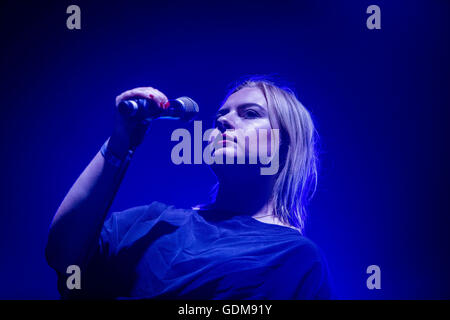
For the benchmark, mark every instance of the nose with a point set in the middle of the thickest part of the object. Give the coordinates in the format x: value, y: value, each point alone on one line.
x: 223, y: 124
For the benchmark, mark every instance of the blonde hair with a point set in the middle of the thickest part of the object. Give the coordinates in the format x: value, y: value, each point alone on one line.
x: 296, y: 180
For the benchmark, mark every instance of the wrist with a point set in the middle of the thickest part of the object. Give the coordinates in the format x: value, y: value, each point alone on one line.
x: 115, y: 157
x: 118, y: 146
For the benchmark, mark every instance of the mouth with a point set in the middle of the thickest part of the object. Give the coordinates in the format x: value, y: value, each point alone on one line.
x: 226, y: 142
x: 227, y: 139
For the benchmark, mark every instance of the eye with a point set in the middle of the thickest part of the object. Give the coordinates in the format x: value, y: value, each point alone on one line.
x: 250, y: 114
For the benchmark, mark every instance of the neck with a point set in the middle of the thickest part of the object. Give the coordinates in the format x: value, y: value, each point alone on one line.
x: 246, y: 195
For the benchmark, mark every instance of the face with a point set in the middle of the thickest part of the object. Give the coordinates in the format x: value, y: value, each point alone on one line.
x: 239, y: 123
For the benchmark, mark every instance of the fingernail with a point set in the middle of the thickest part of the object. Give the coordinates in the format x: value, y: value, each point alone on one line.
x: 167, y: 104
x: 161, y: 104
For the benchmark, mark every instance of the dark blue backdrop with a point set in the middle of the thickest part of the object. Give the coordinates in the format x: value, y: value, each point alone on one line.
x: 379, y: 98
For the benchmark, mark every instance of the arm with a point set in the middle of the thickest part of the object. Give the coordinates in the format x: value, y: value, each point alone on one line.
x: 76, y: 226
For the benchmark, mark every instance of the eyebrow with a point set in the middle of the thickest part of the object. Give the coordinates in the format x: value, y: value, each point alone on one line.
x: 241, y: 106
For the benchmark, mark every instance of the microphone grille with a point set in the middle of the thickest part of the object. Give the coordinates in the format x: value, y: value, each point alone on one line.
x: 190, y: 108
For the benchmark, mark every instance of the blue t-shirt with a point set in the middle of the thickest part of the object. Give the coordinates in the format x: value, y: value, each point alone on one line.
x: 163, y: 252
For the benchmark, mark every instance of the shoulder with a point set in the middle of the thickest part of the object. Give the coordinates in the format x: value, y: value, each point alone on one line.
x: 120, y: 222
x: 298, y: 254
x: 139, y: 220
x: 130, y: 216
x: 306, y: 248
x: 301, y: 272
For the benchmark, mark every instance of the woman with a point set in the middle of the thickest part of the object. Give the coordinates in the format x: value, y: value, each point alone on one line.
x: 247, y: 243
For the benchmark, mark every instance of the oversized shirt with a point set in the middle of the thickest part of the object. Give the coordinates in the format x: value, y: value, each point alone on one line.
x: 159, y: 251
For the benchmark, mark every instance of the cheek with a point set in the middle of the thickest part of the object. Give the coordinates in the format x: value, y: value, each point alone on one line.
x: 264, y: 140
x: 256, y: 138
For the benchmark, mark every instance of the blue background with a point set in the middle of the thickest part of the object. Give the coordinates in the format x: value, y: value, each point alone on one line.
x: 379, y: 98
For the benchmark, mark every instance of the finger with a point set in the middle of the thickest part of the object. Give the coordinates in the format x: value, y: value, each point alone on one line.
x: 164, y: 98
x: 132, y: 94
x: 144, y: 92
x: 156, y: 95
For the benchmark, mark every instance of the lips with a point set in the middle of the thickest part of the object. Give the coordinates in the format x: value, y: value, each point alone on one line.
x: 227, y: 139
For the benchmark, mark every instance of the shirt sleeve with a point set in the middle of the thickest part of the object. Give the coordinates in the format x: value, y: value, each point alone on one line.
x: 315, y: 284
x: 98, y: 277
x: 302, y: 275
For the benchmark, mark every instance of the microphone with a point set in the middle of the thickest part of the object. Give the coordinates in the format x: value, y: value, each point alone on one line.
x: 183, y: 108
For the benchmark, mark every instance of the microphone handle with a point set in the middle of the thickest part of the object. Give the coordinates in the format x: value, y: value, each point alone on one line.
x: 147, y: 109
